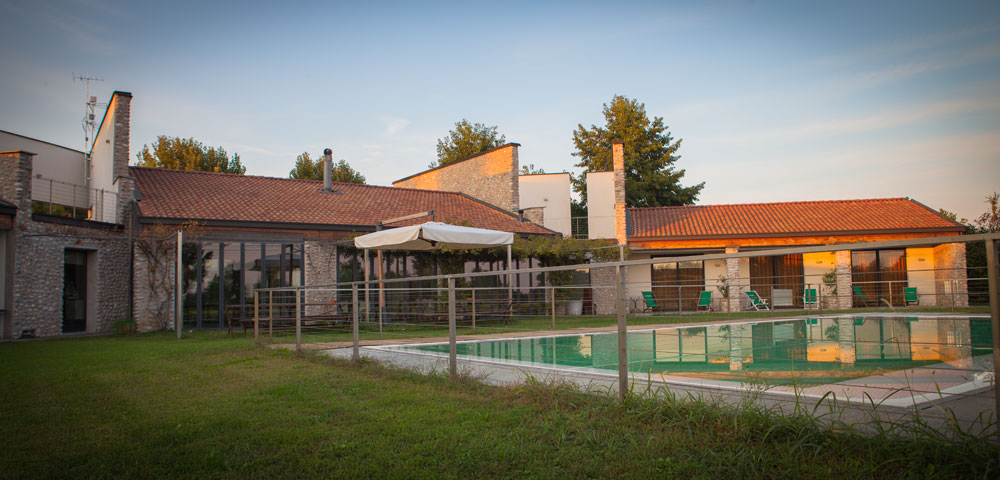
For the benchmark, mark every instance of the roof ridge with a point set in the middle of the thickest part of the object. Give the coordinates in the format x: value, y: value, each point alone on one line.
x: 796, y: 202
x: 307, y: 180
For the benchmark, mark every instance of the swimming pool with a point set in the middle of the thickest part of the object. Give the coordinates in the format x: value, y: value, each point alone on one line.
x: 938, y: 352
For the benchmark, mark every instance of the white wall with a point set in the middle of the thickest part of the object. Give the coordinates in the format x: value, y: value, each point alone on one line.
x: 920, y: 273
x: 102, y: 155
x: 639, y: 277
x: 52, y: 162
x: 551, y: 192
x: 601, y: 205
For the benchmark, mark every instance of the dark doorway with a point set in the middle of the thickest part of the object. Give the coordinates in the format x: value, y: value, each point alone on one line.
x: 74, y: 291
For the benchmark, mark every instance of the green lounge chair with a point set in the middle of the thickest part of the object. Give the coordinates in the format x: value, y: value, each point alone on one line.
x: 911, y: 295
x: 705, y: 300
x: 755, y: 301
x: 650, y: 302
x: 809, y: 297
x: 861, y: 296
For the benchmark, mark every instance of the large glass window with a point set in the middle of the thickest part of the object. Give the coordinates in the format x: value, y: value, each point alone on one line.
x: 678, y: 285
x: 251, y: 273
x: 783, y: 273
x: 210, y: 256
x: 880, y: 275
x: 232, y: 296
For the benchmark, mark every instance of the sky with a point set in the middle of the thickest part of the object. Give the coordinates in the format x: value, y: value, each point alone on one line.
x: 773, y: 101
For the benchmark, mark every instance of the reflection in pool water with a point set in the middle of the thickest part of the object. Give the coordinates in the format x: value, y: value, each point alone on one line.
x: 813, y: 350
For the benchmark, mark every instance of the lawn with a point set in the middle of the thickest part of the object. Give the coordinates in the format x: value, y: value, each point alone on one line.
x: 217, y: 406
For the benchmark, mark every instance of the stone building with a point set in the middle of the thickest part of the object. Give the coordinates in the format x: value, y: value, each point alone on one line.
x: 86, y: 240
x: 66, y: 261
x: 937, y: 272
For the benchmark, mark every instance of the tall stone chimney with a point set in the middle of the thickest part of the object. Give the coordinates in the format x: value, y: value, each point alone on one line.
x: 327, y: 170
x: 621, y: 227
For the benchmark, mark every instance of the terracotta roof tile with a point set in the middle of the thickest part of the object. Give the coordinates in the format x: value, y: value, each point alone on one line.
x: 788, y: 218
x: 180, y: 194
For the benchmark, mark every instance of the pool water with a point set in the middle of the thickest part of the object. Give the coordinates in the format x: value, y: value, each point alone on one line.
x: 808, y: 350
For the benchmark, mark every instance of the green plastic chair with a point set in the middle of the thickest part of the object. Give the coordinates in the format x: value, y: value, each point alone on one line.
x: 755, y: 301
x: 705, y: 300
x: 861, y: 296
x: 810, y: 297
x: 910, y: 293
x: 650, y: 301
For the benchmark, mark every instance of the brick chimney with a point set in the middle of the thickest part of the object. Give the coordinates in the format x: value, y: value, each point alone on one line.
x: 621, y: 227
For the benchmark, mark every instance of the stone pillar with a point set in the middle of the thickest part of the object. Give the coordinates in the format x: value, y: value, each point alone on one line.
x: 621, y: 220
x: 153, y: 285
x: 15, y: 182
x: 844, y: 293
x: 604, y: 287
x: 740, y: 346
x: 515, y: 189
x: 15, y: 187
x: 321, y: 269
x: 845, y: 340
x: 736, y: 284
x: 121, y: 104
x: 951, y: 286
x: 955, y: 340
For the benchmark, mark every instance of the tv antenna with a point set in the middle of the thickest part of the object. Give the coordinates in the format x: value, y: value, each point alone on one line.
x: 89, y: 123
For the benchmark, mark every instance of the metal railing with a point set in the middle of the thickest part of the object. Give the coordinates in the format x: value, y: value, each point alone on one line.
x: 730, y: 343
x: 64, y: 199
x: 579, y: 227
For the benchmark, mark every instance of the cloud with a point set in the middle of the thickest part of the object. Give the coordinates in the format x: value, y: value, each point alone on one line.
x: 395, y: 125
x: 863, y: 123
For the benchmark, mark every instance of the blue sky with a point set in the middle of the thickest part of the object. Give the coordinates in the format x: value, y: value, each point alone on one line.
x: 774, y: 101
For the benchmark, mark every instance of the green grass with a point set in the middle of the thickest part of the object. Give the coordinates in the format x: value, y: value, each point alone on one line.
x: 214, y: 406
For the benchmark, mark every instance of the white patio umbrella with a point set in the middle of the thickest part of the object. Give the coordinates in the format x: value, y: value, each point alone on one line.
x: 431, y: 236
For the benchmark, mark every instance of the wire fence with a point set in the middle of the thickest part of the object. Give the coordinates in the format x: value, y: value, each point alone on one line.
x: 64, y: 199
x: 926, y: 337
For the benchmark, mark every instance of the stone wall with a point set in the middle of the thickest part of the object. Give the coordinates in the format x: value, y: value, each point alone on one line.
x: 120, y: 155
x: 950, y: 275
x: 845, y: 294
x: 621, y: 218
x: 737, y: 286
x: 604, y: 283
x: 491, y: 176
x: 321, y: 269
x: 39, y: 250
x: 154, y: 282
x: 535, y: 215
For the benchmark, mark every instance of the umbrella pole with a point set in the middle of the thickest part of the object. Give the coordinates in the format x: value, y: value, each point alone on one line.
x: 367, y: 297
x: 381, y: 294
x: 510, y: 278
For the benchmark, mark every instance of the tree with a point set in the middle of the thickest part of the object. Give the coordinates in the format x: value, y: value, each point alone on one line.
x: 530, y: 169
x: 466, y: 140
x: 188, y: 154
x: 989, y: 221
x: 306, y: 168
x: 650, y: 153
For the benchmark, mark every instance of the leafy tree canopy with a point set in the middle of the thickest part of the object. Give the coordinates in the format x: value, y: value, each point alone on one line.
x: 989, y: 222
x: 650, y: 153
x: 188, y: 154
x: 466, y: 140
x: 307, y: 168
x: 530, y: 169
